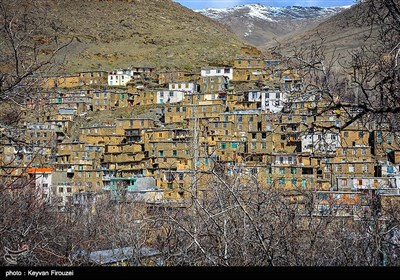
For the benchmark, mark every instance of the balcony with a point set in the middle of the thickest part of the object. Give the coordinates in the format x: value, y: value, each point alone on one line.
x: 107, y: 177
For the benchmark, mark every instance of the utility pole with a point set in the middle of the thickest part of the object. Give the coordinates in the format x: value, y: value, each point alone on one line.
x: 195, y: 145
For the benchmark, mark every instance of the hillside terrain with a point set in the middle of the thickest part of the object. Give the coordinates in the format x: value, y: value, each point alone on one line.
x: 342, y: 33
x: 160, y: 33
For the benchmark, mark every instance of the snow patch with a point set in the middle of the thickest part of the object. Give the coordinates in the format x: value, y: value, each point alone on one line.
x: 259, y: 11
x: 272, y: 14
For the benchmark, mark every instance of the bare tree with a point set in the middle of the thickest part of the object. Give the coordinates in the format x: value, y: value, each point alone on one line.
x: 28, y: 226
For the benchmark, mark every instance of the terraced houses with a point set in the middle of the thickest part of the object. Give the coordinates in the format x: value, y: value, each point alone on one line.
x: 253, y: 119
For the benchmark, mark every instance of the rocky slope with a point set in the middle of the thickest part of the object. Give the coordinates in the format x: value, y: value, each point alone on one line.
x: 121, y: 33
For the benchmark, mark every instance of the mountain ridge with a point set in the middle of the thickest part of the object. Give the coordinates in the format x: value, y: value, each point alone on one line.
x: 258, y: 24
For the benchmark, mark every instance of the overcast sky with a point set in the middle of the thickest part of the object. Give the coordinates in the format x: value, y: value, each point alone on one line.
x: 201, y: 4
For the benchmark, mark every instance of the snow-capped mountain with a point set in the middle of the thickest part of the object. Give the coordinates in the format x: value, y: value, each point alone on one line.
x: 259, y: 24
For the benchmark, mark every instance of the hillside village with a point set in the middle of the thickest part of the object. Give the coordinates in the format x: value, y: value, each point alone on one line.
x: 171, y: 130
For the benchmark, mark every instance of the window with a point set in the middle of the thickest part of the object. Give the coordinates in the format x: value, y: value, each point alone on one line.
x: 294, y: 181
x: 254, y: 171
x: 69, y: 190
x: 253, y: 146
x: 303, y: 183
x: 234, y: 145
x: 351, y: 168
x: 281, y: 181
x: 161, y: 153
x: 283, y: 128
x: 360, y: 134
x: 45, y: 186
x: 263, y: 135
x: 346, y: 134
x: 169, y: 186
x: 269, y: 180
x: 281, y: 170
x: 240, y: 118
x: 264, y: 145
x: 323, y: 196
x: 60, y: 190
x: 181, y: 176
x: 293, y: 170
x: 174, y: 153
x: 223, y: 146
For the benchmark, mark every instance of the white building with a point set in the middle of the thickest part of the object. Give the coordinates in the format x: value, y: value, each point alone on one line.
x: 218, y: 71
x: 176, y: 92
x: 169, y: 96
x: 43, y: 182
x: 119, y: 77
x: 320, y: 142
x: 384, y: 185
x: 272, y: 101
